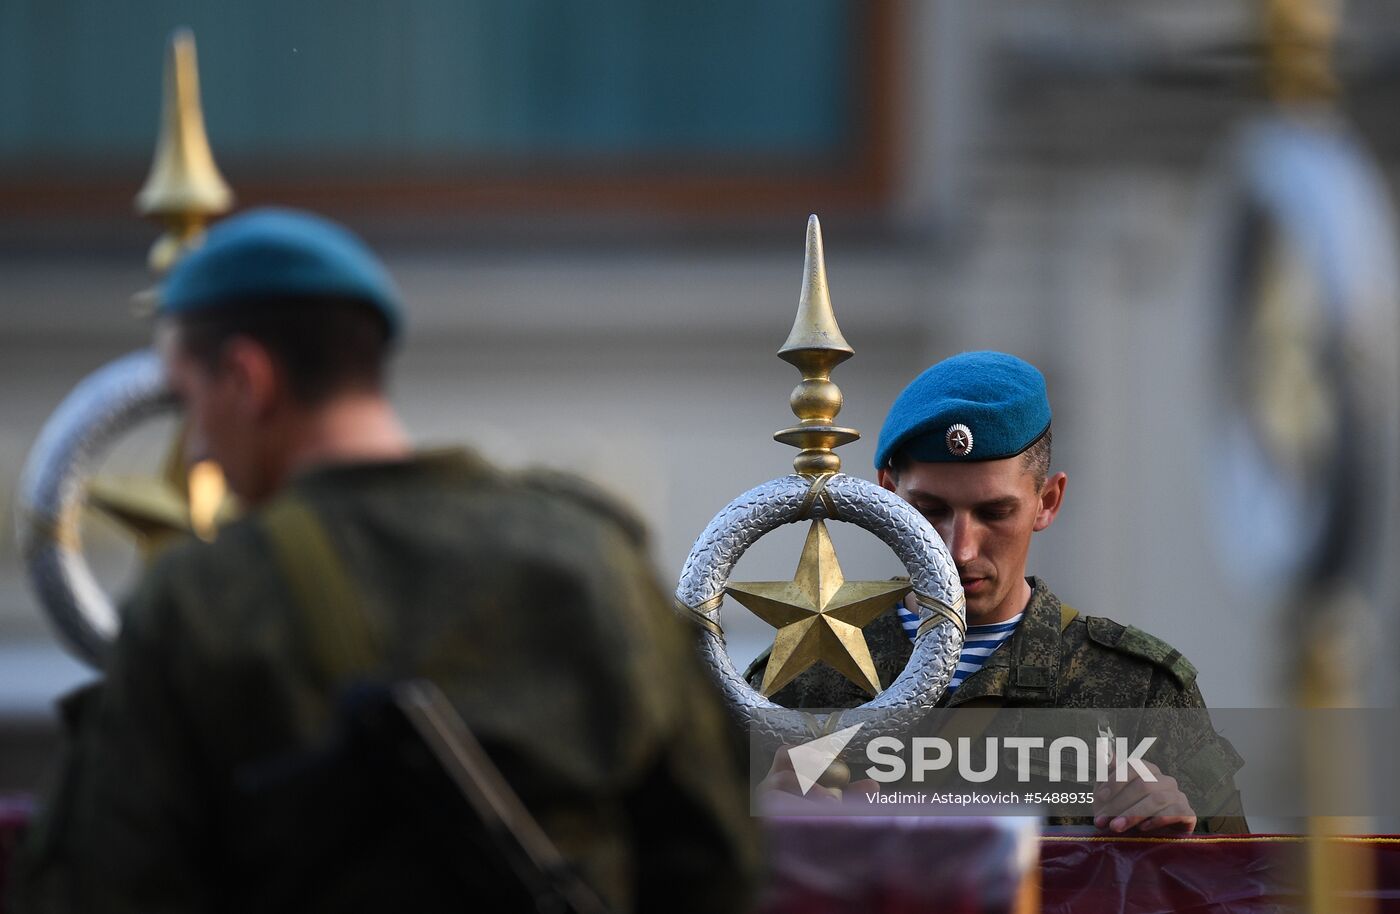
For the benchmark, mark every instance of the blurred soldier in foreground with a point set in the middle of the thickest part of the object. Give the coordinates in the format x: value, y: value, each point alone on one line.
x: 212, y: 769
x: 967, y: 443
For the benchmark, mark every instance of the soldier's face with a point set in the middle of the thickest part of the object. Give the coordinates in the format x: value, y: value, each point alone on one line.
x: 985, y: 512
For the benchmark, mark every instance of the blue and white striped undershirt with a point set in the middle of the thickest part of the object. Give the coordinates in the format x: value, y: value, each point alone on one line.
x: 979, y: 644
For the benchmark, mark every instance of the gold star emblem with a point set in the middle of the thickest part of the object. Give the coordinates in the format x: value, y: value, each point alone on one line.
x: 819, y: 616
x: 157, y: 510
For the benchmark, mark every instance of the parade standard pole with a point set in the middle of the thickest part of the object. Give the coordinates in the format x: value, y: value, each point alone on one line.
x: 185, y: 192
x: 818, y: 616
x: 1307, y: 450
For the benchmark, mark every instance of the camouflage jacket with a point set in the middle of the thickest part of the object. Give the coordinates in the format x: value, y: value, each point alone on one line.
x: 531, y: 605
x: 1091, y: 662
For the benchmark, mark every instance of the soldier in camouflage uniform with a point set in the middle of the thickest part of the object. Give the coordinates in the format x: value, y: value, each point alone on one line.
x: 968, y: 443
x: 208, y: 771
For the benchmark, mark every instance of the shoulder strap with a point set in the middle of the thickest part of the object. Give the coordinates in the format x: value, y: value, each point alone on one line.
x: 333, y: 617
x: 588, y: 494
x: 1137, y: 643
x: 758, y: 664
x: 1067, y: 615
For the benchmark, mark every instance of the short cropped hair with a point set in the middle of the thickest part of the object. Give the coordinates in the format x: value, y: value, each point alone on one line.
x: 1036, y: 457
x: 325, y: 345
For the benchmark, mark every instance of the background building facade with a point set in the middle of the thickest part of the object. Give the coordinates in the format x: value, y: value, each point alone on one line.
x: 596, y: 213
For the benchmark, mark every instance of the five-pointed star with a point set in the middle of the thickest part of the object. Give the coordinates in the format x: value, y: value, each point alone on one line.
x: 819, y: 616
x: 156, y: 510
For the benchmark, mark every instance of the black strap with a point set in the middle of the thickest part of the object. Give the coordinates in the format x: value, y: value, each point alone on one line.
x: 346, y: 647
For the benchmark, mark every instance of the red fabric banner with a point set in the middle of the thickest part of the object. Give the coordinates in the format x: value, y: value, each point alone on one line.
x: 1253, y: 873
x: 910, y: 866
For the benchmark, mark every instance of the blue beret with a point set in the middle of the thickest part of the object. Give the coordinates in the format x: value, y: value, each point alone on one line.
x: 973, y: 406
x: 273, y: 253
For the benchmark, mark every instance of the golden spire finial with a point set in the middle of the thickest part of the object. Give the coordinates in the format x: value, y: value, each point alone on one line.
x: 1298, y: 40
x: 815, y: 346
x: 184, y: 188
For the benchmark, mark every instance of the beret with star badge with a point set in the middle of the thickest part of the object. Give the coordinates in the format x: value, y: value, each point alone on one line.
x: 973, y: 406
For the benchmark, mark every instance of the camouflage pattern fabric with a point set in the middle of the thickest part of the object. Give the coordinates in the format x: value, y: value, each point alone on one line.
x: 1092, y: 663
x: 533, y: 607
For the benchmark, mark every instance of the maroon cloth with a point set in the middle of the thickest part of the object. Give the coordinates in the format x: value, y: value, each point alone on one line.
x: 14, y: 816
x: 1259, y: 873
x: 895, y: 865
x: 943, y: 865
x: 939, y: 865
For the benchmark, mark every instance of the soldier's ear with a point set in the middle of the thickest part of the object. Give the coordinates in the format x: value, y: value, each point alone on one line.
x: 885, y: 477
x: 254, y: 375
x: 1052, y: 495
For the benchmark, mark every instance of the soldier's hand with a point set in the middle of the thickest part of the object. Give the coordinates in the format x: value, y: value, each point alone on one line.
x: 862, y: 788
x: 782, y: 779
x: 1142, y: 805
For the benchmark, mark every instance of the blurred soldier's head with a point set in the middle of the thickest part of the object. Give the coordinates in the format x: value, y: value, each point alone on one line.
x: 967, y: 443
x: 275, y: 333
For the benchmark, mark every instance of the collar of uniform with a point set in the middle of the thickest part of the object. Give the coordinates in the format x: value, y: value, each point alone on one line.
x: 1026, y: 669
x: 457, y: 462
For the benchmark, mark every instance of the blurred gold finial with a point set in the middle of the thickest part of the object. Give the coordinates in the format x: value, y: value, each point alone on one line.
x: 1298, y: 42
x: 815, y: 346
x: 184, y: 188
x: 158, y: 510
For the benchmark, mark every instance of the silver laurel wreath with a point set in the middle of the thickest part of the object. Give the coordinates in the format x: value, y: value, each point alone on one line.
x: 931, y: 571
x: 103, y: 407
